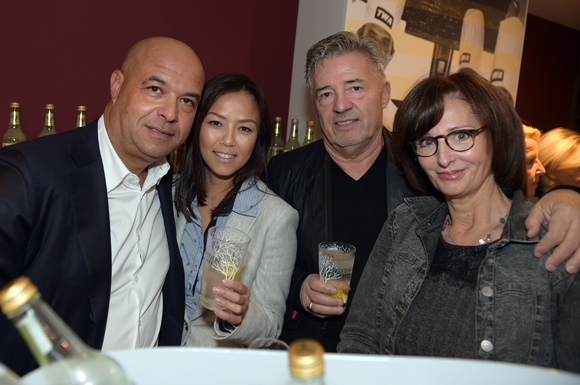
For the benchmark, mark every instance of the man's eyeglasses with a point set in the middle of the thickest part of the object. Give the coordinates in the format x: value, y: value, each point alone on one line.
x: 461, y: 140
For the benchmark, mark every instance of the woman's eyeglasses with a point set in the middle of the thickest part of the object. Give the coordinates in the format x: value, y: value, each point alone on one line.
x: 461, y: 140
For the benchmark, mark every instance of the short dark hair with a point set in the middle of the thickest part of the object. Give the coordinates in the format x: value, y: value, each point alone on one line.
x: 194, y: 170
x: 423, y: 108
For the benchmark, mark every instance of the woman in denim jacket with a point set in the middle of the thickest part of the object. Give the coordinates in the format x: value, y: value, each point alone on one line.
x: 454, y: 275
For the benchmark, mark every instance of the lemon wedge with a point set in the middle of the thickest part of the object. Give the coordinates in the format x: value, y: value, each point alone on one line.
x: 227, y: 268
x: 341, y: 294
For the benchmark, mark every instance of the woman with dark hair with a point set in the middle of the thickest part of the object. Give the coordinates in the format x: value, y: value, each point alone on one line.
x: 454, y: 275
x: 220, y: 186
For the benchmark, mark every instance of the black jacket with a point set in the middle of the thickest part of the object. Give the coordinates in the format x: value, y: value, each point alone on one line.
x: 55, y: 230
x: 302, y: 178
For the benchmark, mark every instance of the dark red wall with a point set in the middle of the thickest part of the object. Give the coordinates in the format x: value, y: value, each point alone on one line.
x: 63, y: 52
x: 549, y: 66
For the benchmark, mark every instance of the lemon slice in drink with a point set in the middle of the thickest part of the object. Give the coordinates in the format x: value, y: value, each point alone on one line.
x: 227, y: 268
x: 341, y: 294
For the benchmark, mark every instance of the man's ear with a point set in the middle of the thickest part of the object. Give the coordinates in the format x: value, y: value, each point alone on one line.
x: 385, y: 94
x: 117, y: 79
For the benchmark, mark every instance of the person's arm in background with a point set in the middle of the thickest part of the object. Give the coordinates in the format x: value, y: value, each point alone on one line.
x: 560, y: 209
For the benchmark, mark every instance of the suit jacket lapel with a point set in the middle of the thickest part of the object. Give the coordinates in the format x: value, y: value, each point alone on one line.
x: 91, y: 216
x: 397, y: 187
x: 174, y: 286
x: 320, y: 201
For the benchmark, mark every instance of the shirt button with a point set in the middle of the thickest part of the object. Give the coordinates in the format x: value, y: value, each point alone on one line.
x: 139, y: 322
x: 136, y: 279
x: 486, y: 346
x: 487, y: 291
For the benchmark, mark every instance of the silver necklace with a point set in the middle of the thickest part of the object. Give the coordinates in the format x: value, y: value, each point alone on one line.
x: 482, y: 241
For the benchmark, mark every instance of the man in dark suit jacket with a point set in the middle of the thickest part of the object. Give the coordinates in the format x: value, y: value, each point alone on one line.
x: 54, y: 202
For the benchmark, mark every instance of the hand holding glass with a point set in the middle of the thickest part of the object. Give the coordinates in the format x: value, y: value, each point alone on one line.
x: 223, y: 259
x: 335, y: 262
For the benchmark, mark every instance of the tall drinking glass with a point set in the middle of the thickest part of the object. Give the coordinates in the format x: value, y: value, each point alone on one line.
x: 224, y: 254
x: 335, y: 262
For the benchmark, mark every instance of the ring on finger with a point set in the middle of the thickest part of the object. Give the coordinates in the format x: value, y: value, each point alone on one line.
x: 310, y: 305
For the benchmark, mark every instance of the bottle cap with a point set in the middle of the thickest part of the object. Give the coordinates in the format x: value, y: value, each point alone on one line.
x: 16, y: 293
x: 49, y: 107
x: 310, y: 123
x: 278, y: 119
x: 81, y: 108
x: 14, y: 105
x: 294, y: 121
x: 306, y: 358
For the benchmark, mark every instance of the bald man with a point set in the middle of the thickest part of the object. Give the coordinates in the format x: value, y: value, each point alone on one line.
x: 87, y: 214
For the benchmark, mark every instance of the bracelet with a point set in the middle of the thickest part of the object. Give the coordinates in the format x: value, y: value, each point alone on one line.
x: 226, y: 327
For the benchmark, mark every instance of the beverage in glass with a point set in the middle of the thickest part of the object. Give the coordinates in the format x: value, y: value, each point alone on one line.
x: 223, y: 258
x: 335, y: 262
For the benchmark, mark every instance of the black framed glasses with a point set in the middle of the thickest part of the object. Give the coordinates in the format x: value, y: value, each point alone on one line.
x: 460, y: 140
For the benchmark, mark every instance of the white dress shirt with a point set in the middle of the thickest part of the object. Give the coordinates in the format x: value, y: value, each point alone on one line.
x: 139, y: 250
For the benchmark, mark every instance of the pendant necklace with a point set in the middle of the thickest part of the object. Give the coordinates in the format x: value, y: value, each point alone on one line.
x: 482, y: 241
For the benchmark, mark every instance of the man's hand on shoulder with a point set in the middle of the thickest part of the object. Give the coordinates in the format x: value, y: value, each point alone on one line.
x: 561, y: 211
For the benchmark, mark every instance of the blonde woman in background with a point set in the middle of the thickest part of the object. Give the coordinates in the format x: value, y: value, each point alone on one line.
x: 534, y: 167
x: 560, y: 155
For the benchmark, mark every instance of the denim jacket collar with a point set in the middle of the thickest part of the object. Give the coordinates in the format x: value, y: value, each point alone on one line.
x: 430, y: 213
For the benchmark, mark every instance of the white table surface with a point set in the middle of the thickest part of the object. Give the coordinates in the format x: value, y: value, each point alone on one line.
x: 177, y: 366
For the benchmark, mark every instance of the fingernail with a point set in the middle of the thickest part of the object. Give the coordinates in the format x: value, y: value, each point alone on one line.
x: 550, y: 267
x: 219, y: 300
x: 571, y: 269
x: 216, y: 290
x: 340, y: 310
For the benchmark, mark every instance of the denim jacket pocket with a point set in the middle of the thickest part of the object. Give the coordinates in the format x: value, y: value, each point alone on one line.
x: 514, y: 323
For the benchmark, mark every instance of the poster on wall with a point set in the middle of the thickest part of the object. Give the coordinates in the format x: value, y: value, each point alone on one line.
x: 425, y: 37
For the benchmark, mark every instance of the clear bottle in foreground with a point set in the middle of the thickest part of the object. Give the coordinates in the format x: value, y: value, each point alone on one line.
x: 306, y: 362
x: 49, y: 128
x: 64, y: 358
x: 309, y: 137
x: 7, y: 376
x: 293, y: 142
x: 14, y: 133
x: 278, y: 145
x: 81, y: 116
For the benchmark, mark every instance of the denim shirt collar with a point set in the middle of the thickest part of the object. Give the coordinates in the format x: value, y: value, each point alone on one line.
x: 431, y: 211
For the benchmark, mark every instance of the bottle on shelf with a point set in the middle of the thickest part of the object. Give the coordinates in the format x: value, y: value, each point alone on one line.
x: 81, y: 116
x: 293, y: 142
x: 309, y: 137
x: 7, y: 376
x: 62, y: 355
x: 278, y: 145
x: 49, y: 128
x: 177, y: 158
x: 306, y: 362
x: 14, y: 133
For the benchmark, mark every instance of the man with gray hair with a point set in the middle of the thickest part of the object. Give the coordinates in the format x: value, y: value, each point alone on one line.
x: 345, y: 185
x: 339, y: 184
